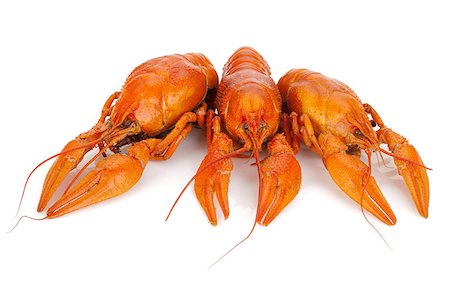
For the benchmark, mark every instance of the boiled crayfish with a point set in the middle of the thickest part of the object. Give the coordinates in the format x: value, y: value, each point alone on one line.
x: 331, y: 120
x: 153, y: 112
x: 248, y: 106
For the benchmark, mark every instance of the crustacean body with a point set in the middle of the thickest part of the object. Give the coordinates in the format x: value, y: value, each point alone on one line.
x: 331, y: 120
x: 248, y: 105
x: 153, y: 112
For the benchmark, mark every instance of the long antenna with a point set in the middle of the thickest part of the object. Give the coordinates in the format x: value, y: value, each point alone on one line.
x: 235, y: 246
x: 403, y: 159
x: 365, y: 182
x: 24, y: 216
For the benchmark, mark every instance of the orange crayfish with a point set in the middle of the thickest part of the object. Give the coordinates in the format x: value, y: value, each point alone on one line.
x: 154, y: 112
x: 331, y: 120
x: 248, y: 106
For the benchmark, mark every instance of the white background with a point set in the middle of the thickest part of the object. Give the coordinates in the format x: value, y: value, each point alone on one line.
x: 59, y: 62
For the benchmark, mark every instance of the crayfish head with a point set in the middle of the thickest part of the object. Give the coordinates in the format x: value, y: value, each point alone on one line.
x: 255, y: 118
x: 254, y: 131
x: 359, y: 131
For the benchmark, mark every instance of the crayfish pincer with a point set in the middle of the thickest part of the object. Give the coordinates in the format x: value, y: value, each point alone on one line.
x: 153, y: 113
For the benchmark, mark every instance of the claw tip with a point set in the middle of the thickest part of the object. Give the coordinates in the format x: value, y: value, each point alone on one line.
x: 424, y: 213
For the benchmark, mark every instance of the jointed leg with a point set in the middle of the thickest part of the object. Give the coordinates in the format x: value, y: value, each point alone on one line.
x: 165, y: 149
x: 201, y: 114
x: 106, y: 111
x: 302, y: 129
x: 286, y: 126
x: 307, y: 132
x: 209, y: 126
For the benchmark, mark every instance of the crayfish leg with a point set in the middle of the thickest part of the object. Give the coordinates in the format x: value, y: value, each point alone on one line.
x: 165, y: 149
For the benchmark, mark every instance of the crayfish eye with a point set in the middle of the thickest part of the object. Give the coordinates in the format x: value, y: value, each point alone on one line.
x: 358, y: 133
x: 261, y: 125
x: 246, y: 126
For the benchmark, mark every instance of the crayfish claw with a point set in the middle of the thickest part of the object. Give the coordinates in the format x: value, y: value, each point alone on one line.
x: 410, y: 167
x: 218, y: 184
x: 214, y: 176
x: 353, y: 177
x: 68, y: 160
x: 281, y: 179
x: 112, y: 176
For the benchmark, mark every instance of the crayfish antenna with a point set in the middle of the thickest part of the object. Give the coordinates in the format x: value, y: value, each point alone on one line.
x: 371, y: 224
x: 235, y: 246
x: 404, y: 159
x: 380, y: 157
x: 229, y: 155
x: 46, y: 160
x: 20, y: 219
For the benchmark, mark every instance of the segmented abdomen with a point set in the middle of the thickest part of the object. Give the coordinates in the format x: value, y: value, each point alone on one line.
x: 246, y: 58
